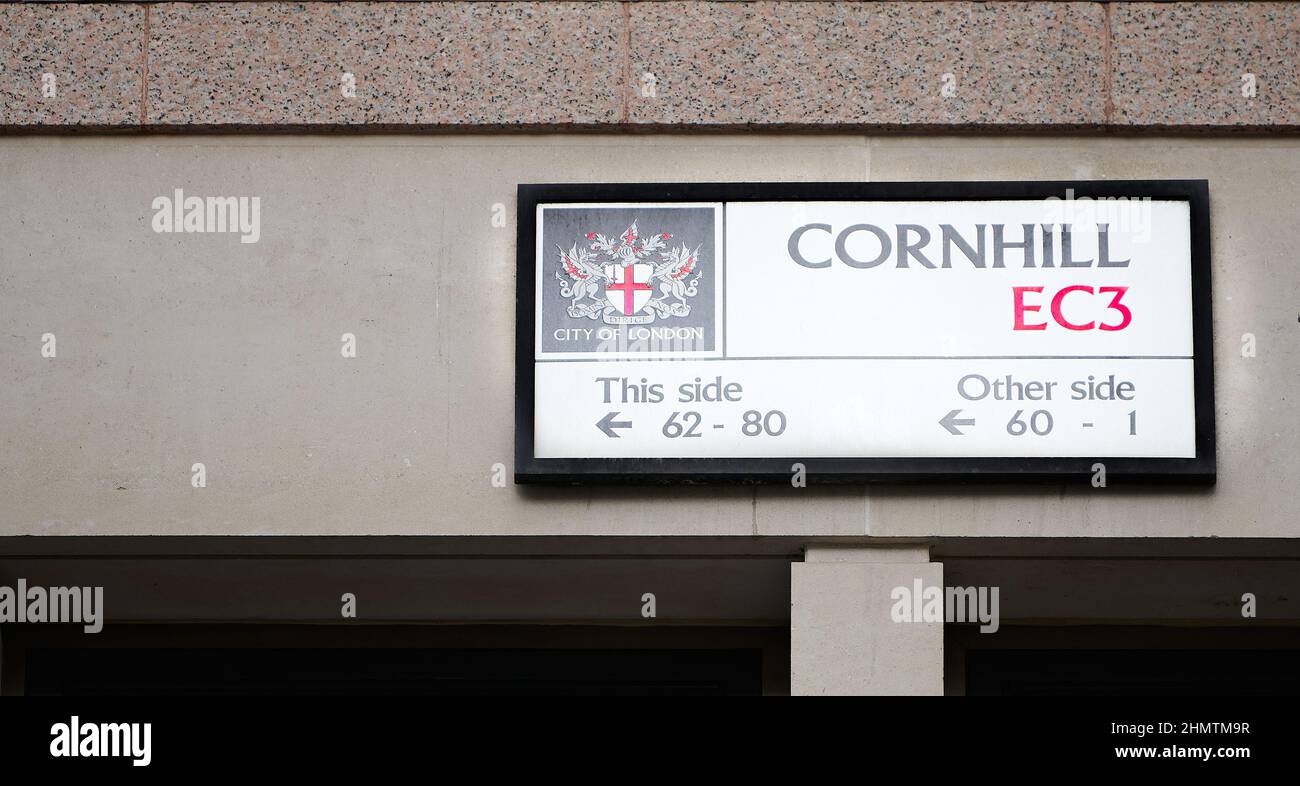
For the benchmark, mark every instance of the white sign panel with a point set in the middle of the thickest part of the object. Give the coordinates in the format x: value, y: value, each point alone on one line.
x: 884, y: 337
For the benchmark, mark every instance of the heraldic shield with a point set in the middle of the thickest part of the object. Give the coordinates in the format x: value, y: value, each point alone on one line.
x: 629, y: 287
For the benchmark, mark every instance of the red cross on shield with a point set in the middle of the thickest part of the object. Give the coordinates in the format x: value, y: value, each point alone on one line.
x: 631, y: 288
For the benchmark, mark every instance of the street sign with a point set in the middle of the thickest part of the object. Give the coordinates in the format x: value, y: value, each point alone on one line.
x: 854, y: 332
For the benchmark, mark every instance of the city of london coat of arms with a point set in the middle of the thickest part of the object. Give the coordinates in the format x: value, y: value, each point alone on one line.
x: 629, y: 279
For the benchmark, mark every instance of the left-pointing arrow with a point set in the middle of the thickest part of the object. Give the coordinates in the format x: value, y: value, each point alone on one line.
x: 951, y: 422
x: 607, y: 424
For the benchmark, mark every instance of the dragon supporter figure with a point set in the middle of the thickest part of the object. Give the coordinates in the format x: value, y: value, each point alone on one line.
x: 606, y: 277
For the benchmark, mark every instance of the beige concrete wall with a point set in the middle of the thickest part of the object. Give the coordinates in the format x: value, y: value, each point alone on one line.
x: 176, y: 349
x: 845, y: 638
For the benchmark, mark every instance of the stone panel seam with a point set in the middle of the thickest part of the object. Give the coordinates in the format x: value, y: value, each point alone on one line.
x: 144, y: 71
x: 625, y: 113
x: 1107, y: 44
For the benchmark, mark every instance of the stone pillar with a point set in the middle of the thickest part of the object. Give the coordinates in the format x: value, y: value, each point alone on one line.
x: 843, y: 639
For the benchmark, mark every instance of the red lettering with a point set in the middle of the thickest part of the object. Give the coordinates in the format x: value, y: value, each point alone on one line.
x: 1018, y: 294
x: 1056, y: 308
x: 1118, y: 306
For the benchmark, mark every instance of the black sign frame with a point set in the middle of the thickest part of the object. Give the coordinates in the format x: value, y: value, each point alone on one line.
x: 530, y: 469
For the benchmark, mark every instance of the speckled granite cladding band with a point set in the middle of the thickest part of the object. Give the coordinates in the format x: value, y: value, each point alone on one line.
x: 555, y: 65
x: 872, y: 63
x: 1182, y: 64
x: 544, y: 63
x: 95, y: 53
